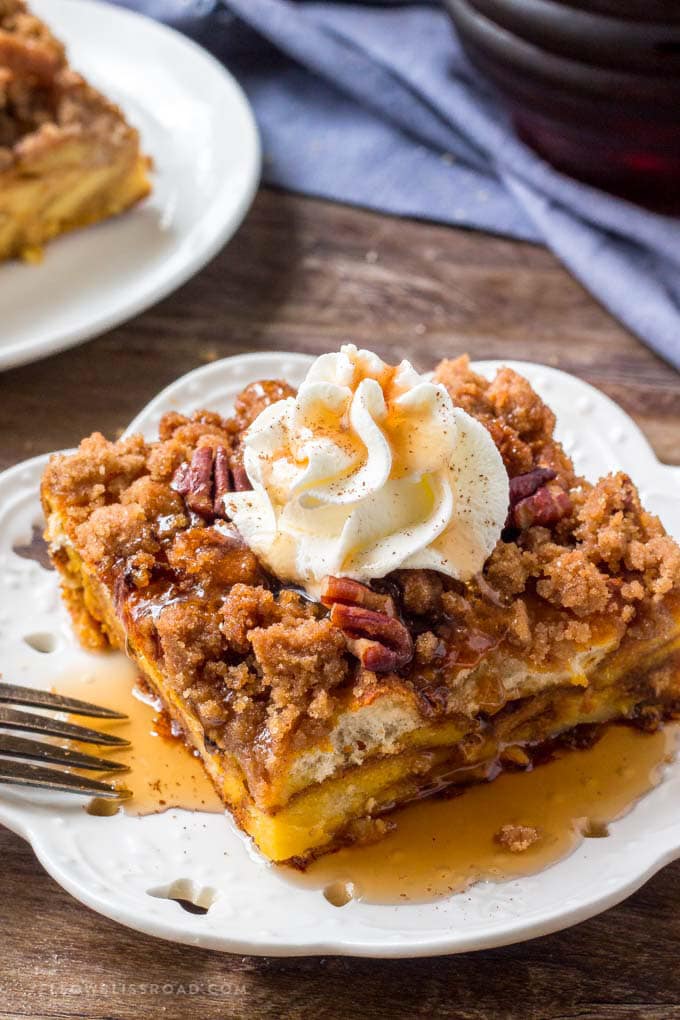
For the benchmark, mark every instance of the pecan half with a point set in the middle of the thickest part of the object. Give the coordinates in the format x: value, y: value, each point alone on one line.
x: 545, y: 507
x: 382, y: 643
x: 533, y: 502
x: 194, y: 481
x: 527, y: 484
x: 354, y: 593
x: 222, y: 479
x: 204, y: 481
x: 241, y: 480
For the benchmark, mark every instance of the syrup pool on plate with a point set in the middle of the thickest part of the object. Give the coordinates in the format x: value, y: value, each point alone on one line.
x: 164, y: 773
x: 438, y: 846
x: 441, y: 846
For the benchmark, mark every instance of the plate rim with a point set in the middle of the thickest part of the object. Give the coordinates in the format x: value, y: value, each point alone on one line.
x: 15, y: 354
x: 410, y: 943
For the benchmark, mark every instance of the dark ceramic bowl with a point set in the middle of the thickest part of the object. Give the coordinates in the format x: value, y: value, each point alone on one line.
x: 592, y: 85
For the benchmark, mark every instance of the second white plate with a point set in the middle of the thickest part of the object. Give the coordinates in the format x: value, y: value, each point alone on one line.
x: 196, y: 124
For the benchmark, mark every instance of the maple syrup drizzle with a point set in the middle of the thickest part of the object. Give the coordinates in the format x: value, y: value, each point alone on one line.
x: 164, y: 773
x: 442, y: 846
x: 438, y: 846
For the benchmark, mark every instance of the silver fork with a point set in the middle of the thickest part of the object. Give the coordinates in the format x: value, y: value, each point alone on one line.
x: 18, y: 754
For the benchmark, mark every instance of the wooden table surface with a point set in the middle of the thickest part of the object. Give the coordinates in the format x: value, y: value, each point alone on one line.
x: 307, y: 275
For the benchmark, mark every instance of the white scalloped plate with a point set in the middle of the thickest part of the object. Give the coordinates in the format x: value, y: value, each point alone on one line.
x: 110, y: 864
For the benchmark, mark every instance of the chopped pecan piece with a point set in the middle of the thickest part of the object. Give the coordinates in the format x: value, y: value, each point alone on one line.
x: 354, y: 593
x: 204, y: 481
x: 533, y: 502
x: 241, y: 480
x: 382, y: 643
x: 194, y: 481
x: 544, y: 507
x: 222, y: 479
x: 527, y: 484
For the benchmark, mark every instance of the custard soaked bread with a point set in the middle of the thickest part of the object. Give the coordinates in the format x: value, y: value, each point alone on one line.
x: 524, y: 602
x: 68, y: 157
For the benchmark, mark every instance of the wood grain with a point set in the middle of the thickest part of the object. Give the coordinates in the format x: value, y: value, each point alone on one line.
x: 306, y: 275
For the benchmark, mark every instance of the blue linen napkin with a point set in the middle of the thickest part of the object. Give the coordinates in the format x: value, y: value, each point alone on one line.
x: 376, y: 105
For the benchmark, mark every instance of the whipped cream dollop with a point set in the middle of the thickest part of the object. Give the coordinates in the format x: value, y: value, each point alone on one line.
x: 368, y: 469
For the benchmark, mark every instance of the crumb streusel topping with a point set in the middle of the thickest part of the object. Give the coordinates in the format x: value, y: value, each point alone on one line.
x: 265, y: 666
x: 43, y: 101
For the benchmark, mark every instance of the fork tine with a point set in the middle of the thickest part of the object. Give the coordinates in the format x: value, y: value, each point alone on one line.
x: 11, y: 719
x: 14, y: 694
x: 51, y: 754
x: 20, y: 773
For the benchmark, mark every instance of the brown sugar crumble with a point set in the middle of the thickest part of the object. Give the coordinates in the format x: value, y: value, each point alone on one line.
x: 517, y: 838
x: 261, y: 665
